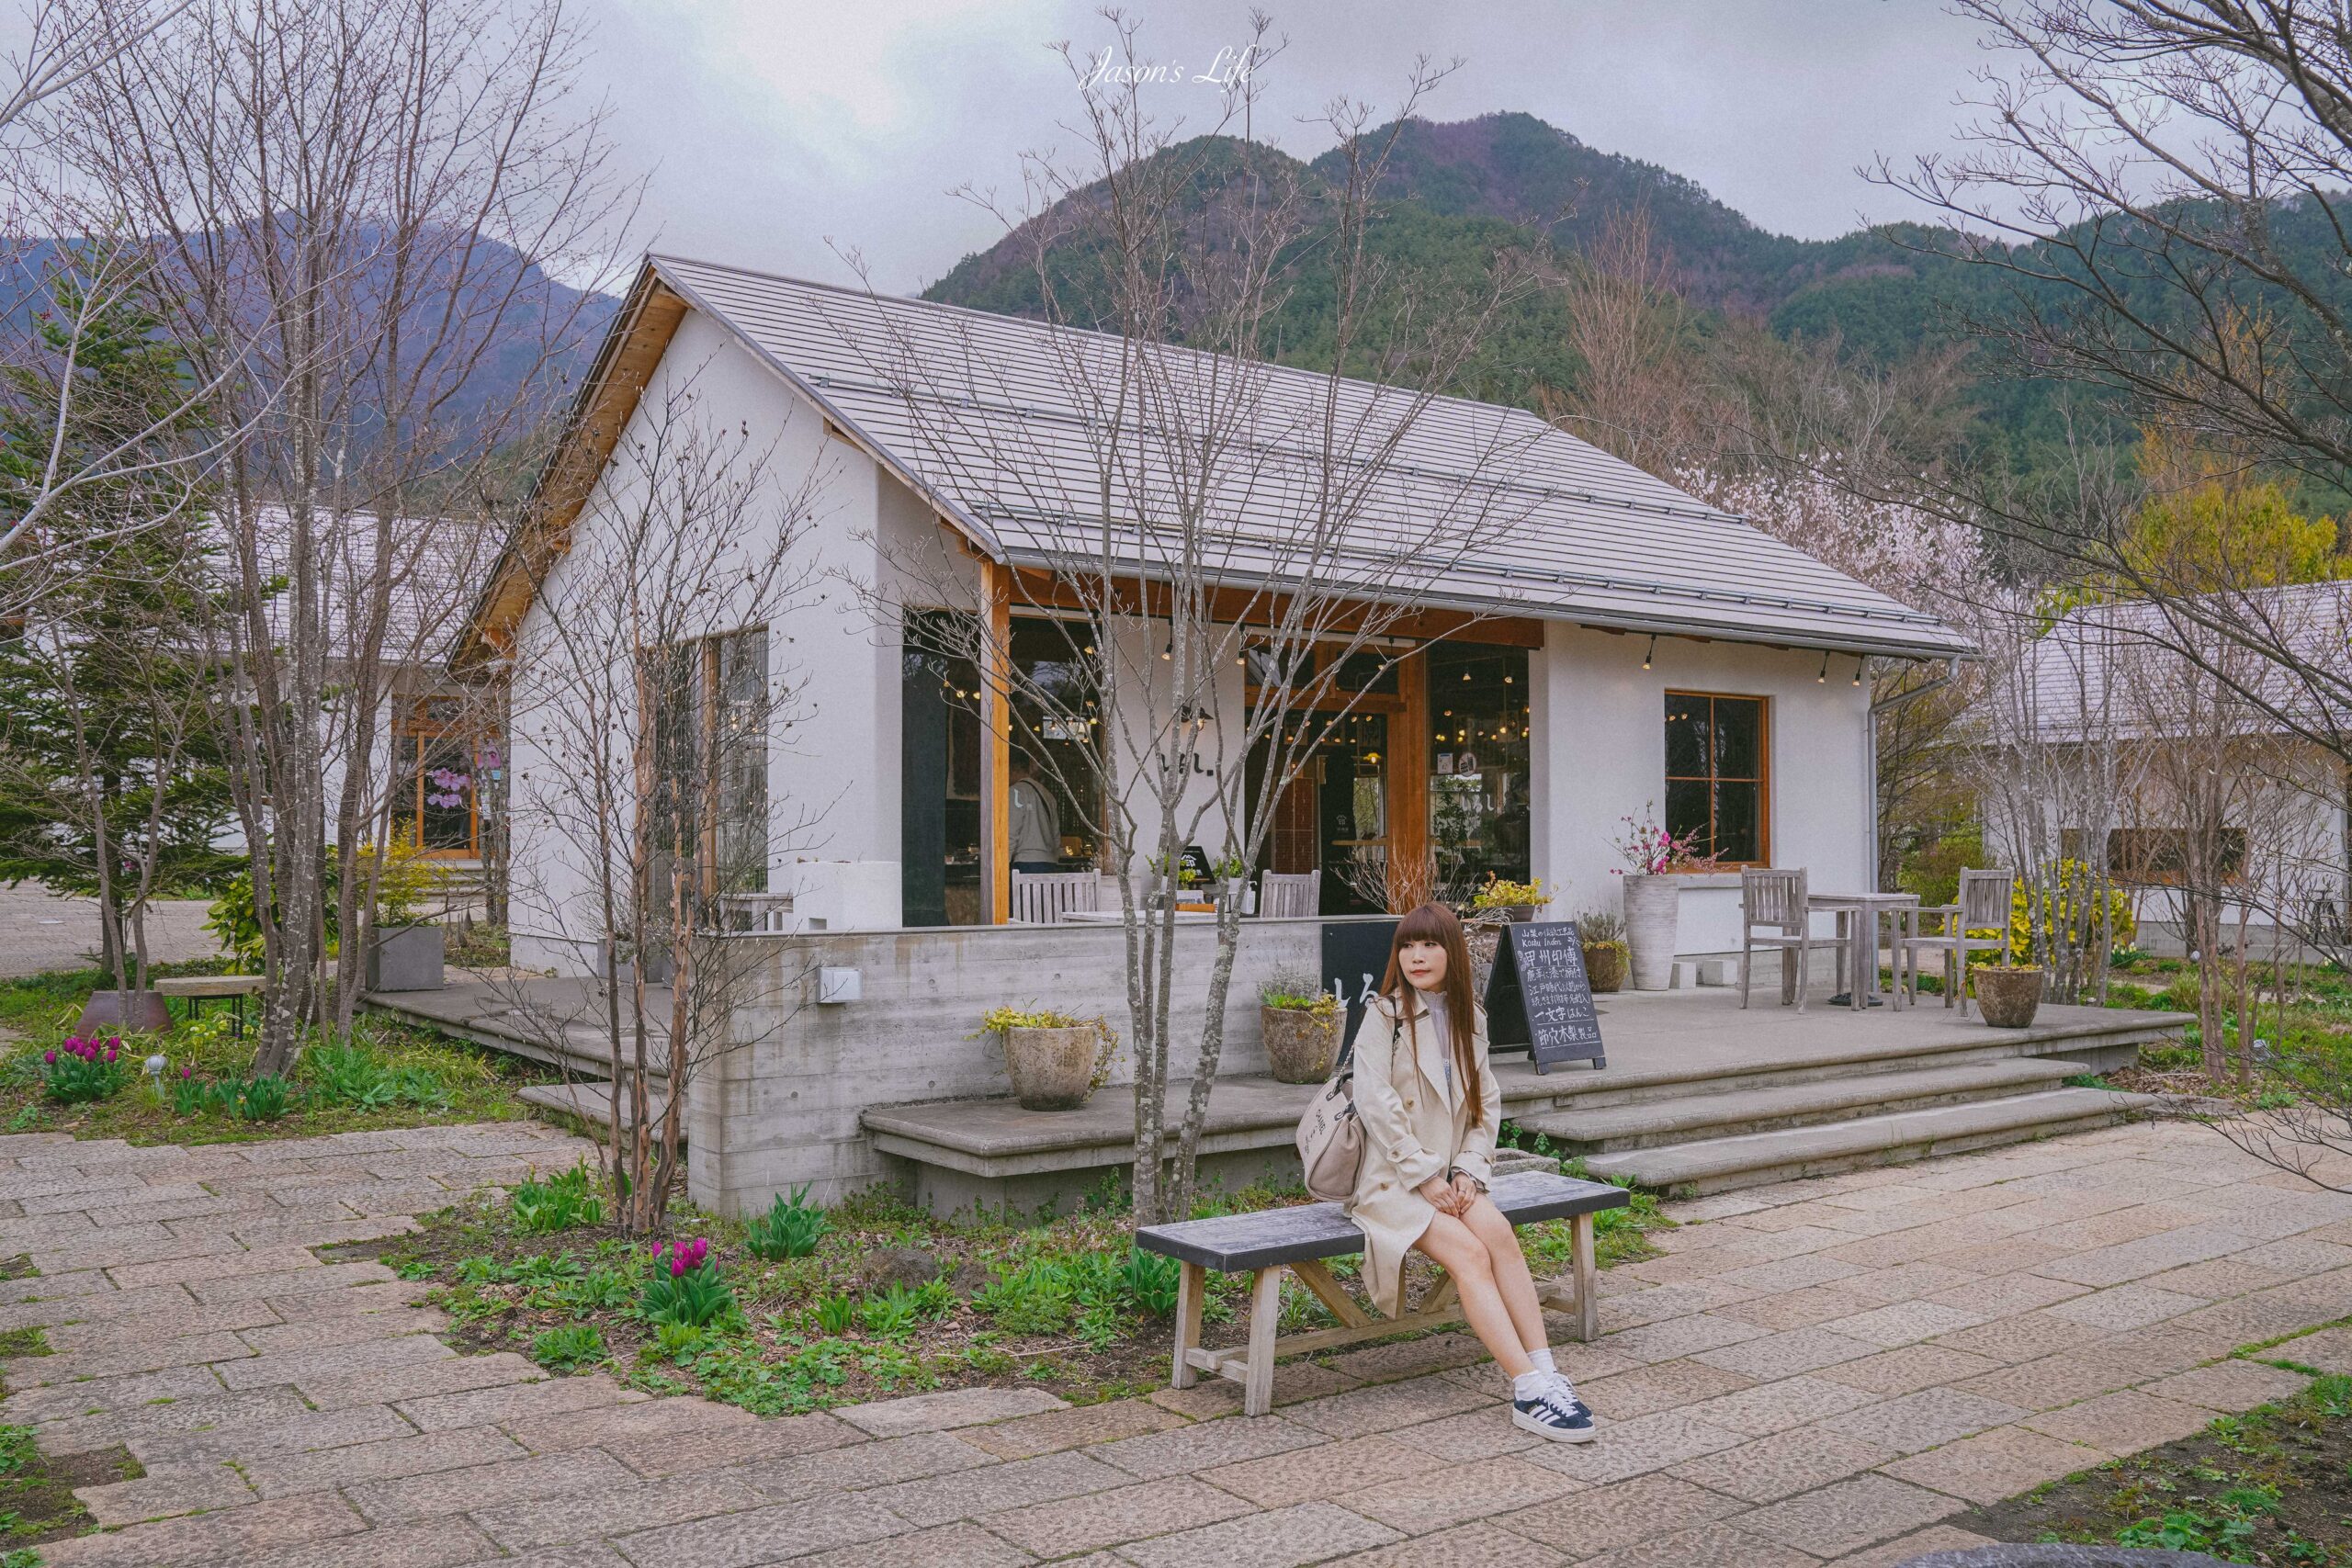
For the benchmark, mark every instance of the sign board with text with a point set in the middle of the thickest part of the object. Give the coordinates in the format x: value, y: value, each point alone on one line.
x: 1540, y: 997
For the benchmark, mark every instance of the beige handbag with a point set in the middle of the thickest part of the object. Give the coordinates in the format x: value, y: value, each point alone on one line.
x: 1330, y: 1138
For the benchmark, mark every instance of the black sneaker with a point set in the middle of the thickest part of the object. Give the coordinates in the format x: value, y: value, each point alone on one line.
x: 1547, y: 1416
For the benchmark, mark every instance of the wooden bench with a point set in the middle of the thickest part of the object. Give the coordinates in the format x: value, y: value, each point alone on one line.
x: 198, y: 989
x: 1295, y: 1240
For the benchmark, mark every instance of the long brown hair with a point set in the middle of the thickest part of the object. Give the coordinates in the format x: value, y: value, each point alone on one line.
x: 1435, y: 922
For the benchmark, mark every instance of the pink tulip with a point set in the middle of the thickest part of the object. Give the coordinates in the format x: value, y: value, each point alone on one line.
x: 51, y: 1057
x: 677, y: 1266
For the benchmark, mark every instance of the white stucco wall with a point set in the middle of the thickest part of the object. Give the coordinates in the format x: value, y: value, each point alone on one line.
x: 1600, y: 756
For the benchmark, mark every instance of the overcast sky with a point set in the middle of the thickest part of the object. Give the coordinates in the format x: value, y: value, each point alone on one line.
x: 778, y: 132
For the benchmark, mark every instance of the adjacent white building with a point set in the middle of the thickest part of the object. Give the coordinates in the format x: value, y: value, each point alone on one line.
x: 1606, y: 645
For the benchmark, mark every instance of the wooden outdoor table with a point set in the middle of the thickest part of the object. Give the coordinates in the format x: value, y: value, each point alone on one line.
x: 198, y: 989
x: 1861, y: 936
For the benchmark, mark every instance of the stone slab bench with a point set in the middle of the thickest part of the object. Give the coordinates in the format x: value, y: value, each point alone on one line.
x: 1272, y: 1242
x: 198, y: 989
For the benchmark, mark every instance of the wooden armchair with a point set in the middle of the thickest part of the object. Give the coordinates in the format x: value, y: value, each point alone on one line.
x: 1773, y: 913
x: 1984, y: 905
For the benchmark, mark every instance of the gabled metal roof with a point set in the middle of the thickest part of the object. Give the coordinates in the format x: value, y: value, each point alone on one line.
x: 1000, y: 421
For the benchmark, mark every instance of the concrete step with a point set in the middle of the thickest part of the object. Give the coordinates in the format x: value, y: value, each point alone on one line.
x: 1712, y: 1165
x: 590, y: 1102
x: 1730, y: 1113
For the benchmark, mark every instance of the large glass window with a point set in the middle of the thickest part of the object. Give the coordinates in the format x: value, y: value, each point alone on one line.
x: 709, y: 728
x: 939, y: 748
x: 1718, y: 775
x: 1478, y: 752
x: 438, y: 755
x: 1058, y: 729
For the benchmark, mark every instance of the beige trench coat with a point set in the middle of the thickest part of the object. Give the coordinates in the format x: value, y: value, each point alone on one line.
x: 1412, y: 1131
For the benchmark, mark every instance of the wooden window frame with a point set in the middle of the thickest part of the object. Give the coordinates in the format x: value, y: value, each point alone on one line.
x: 412, y: 724
x: 1763, y: 780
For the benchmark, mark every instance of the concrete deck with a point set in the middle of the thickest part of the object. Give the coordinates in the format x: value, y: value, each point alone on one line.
x: 558, y: 1022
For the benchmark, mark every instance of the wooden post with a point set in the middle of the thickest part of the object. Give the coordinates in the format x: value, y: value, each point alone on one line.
x: 1265, y: 1316
x: 1582, y: 1248
x: 1191, y: 1290
x: 1408, y: 782
x: 996, y: 745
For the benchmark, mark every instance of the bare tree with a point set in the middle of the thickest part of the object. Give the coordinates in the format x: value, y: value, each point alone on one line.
x: 1229, y: 554
x: 648, y: 686
x: 360, y: 203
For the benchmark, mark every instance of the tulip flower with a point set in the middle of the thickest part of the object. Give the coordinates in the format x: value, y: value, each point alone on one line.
x: 677, y: 1266
x: 50, y: 1056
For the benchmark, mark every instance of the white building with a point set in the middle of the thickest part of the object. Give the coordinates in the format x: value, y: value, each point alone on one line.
x: 1614, y: 645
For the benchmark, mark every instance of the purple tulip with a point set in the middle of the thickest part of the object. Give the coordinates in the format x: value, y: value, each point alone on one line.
x: 678, y: 1266
x: 187, y: 1070
x: 702, y: 1248
x: 51, y: 1057
x: 109, y: 1052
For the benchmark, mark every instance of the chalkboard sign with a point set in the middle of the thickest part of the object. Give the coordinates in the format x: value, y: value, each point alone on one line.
x: 1355, y: 956
x: 1538, y: 996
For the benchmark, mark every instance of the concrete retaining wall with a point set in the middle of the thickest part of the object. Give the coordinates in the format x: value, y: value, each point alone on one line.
x: 781, y: 1108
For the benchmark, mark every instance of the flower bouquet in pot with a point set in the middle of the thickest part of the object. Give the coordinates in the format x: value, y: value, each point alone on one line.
x: 1514, y: 901
x: 1654, y: 858
x: 1056, y: 1060
x: 1300, y: 1023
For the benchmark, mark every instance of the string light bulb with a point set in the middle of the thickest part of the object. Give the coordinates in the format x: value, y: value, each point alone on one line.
x: 1652, y: 651
x: 1858, y: 671
x: 1823, y: 679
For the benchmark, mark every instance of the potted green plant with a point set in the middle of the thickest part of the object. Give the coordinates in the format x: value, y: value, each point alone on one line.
x: 1300, y: 1022
x: 1055, y: 1060
x: 404, y: 952
x: 1602, y: 935
x: 2008, y: 993
x: 1514, y: 901
x: 1233, y: 879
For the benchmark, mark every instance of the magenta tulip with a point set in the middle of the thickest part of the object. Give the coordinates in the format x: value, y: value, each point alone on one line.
x: 51, y: 1057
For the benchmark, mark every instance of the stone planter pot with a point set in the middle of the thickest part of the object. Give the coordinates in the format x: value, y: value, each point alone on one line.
x: 1301, y: 1044
x: 123, y: 1013
x: 2007, y: 998
x: 1604, y: 966
x: 1052, y: 1069
x: 1652, y: 924
x: 405, y: 958
x: 1242, y: 894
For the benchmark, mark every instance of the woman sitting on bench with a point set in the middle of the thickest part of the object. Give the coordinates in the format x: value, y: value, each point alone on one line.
x: 1429, y: 1108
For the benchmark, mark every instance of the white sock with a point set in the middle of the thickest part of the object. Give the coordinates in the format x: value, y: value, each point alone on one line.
x: 1543, y: 1359
x: 1530, y: 1384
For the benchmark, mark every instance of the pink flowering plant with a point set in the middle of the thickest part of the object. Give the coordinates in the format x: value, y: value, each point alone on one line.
x: 1649, y: 849
x: 85, y: 1069
x: 686, y: 1289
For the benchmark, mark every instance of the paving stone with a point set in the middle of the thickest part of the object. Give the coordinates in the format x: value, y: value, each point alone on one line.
x: 1706, y: 1546
x: 517, y: 1401
x: 1775, y: 1406
x: 2006, y: 1296
x: 271, y: 1433
x: 1308, y: 1532
x: 2027, y: 1336
x: 321, y: 1470
x: 321, y: 1334
x: 1669, y: 1385
x: 1434, y: 1499
x: 1683, y: 1336
x: 1798, y: 1309
x: 149, y: 1353
x: 1474, y: 1545
x: 1382, y: 1363
x: 68, y: 1398
x: 234, y: 1534
x: 1620, y: 1513
x: 2122, y: 1423
x: 709, y: 1449
x: 181, y: 1316
x: 1994, y: 1465
x: 2231, y: 1387
x: 1107, y: 1519
x: 1926, y: 1542
x: 457, y: 1375
x: 1782, y: 1464
x: 1382, y: 1406
x: 1627, y: 1449
x: 945, y: 1412
x: 755, y: 1536
x: 2126, y: 1306
x: 576, y: 1516
x: 1905, y: 1322
x: 2049, y: 1382
x: 225, y: 1266
x: 2329, y: 1350
x: 1924, y: 1419
x: 364, y: 1298
x: 1304, y: 1475
x: 163, y: 1490
x: 86, y: 1433
x: 949, y: 1546
x: 1908, y: 1369
x: 865, y: 1464
x: 314, y: 1280
x: 652, y: 1419
x: 964, y: 1495
x: 1849, y: 1515
x: 1050, y: 1431
x: 1787, y: 1353
x: 406, y: 1499
x: 366, y: 1358
x: 1207, y: 1445
x: 437, y: 1543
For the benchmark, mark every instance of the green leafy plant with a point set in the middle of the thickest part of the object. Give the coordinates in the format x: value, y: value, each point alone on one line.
x: 1151, y: 1280
x: 676, y: 1341
x: 891, y: 1313
x: 1296, y: 990
x: 82, y: 1070
x: 561, y: 1202
x: 1032, y: 1299
x: 187, y: 1092
x: 573, y: 1345
x: 348, y: 1075
x: 420, y: 1086
x: 836, y: 1313
x: 1597, y: 927
x: 791, y: 1228
x: 686, y: 1288
x: 998, y: 1019
x: 1500, y: 894
x: 264, y: 1099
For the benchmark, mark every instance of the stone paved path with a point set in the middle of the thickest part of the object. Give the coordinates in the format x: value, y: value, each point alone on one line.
x: 1820, y: 1371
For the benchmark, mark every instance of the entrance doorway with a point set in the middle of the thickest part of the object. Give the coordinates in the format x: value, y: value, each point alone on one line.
x: 1334, y: 817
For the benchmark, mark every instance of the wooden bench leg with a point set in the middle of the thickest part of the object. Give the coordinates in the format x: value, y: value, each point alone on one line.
x: 1265, y: 1317
x: 1191, y: 1288
x: 1587, y: 1266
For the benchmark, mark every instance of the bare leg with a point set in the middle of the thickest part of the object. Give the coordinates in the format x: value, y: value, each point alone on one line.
x: 1509, y: 1266
x: 1463, y: 1256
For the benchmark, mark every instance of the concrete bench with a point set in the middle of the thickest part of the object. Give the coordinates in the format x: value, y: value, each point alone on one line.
x: 1295, y: 1240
